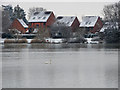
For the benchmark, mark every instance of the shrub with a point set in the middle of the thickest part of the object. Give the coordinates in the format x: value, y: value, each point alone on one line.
x: 112, y: 36
x: 37, y: 41
x: 15, y: 41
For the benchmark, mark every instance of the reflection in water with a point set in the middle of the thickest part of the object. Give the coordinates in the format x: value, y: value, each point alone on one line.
x: 72, y: 66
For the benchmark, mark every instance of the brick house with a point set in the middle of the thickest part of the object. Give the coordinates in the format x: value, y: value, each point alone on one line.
x: 20, y: 25
x: 43, y: 19
x: 91, y: 24
x: 70, y: 21
x: 65, y: 25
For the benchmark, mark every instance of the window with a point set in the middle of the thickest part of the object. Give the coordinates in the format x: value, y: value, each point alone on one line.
x: 68, y: 22
x: 44, y: 17
x: 86, y: 23
x: 47, y: 12
x: 39, y: 17
x: 89, y: 22
x: 37, y: 25
x: 44, y: 24
x: 30, y: 24
x: 36, y: 13
x: 33, y: 17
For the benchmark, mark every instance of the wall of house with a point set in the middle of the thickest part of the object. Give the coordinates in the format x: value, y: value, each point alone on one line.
x: 97, y: 26
x: 75, y: 24
x: 17, y: 25
x: 49, y: 22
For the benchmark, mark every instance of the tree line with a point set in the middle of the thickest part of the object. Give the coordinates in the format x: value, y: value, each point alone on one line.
x: 111, y: 16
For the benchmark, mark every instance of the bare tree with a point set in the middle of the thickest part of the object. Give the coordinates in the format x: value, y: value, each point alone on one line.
x: 0, y: 22
x: 15, y: 33
x: 110, y: 12
x: 60, y: 31
x: 42, y: 33
x: 112, y: 16
x: 6, y: 22
x: 80, y: 32
x: 33, y: 10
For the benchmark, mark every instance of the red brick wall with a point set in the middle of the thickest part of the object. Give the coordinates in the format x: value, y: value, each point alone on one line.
x: 75, y: 24
x: 49, y: 22
x: 17, y: 25
x: 97, y: 26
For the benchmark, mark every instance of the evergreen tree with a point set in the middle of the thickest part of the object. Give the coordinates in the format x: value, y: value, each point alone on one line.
x: 7, y: 18
x: 19, y: 13
x: 9, y: 10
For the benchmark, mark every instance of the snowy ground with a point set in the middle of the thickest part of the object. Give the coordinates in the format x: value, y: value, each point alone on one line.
x: 50, y: 40
x: 89, y: 41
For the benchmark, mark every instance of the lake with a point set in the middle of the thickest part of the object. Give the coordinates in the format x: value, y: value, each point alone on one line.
x: 59, y: 66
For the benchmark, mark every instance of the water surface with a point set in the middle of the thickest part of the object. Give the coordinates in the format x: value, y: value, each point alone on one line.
x: 72, y: 66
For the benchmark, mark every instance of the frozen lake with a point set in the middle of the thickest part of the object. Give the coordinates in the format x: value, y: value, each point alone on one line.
x: 59, y: 66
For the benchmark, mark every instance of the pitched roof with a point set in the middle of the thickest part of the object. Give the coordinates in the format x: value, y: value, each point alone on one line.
x: 40, y: 16
x: 67, y: 20
x: 89, y: 21
x: 23, y: 23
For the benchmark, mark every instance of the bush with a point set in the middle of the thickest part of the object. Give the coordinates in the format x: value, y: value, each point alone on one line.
x: 9, y: 41
x: 6, y: 35
x: 22, y: 41
x: 15, y: 41
x: 112, y: 36
x: 38, y: 41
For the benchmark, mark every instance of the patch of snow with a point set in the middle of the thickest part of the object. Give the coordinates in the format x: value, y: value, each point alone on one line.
x: 29, y: 40
x: 89, y: 41
x: 103, y: 29
x: 35, y: 31
x: 27, y: 31
x: 51, y: 40
x: 1, y: 41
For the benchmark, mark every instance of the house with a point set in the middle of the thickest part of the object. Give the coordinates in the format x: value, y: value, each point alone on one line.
x: 39, y: 20
x: 64, y: 25
x: 91, y: 24
x: 20, y: 25
x: 70, y: 21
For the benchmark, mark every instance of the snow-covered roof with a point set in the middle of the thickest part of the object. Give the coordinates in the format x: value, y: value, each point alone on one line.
x: 89, y: 21
x: 23, y: 23
x: 40, y: 16
x: 67, y: 20
x: 103, y: 29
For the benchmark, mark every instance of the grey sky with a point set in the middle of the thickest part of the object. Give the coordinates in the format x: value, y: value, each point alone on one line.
x: 66, y: 8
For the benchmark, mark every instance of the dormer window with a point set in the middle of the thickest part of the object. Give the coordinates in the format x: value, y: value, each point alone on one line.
x: 33, y: 17
x: 89, y: 22
x: 86, y: 23
x: 68, y: 22
x: 39, y: 17
x: 44, y: 17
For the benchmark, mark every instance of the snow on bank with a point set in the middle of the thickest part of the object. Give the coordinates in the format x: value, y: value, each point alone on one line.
x: 51, y: 40
x: 89, y: 41
x: 1, y: 41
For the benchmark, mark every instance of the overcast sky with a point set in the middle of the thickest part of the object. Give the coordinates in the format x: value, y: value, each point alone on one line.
x: 63, y: 7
